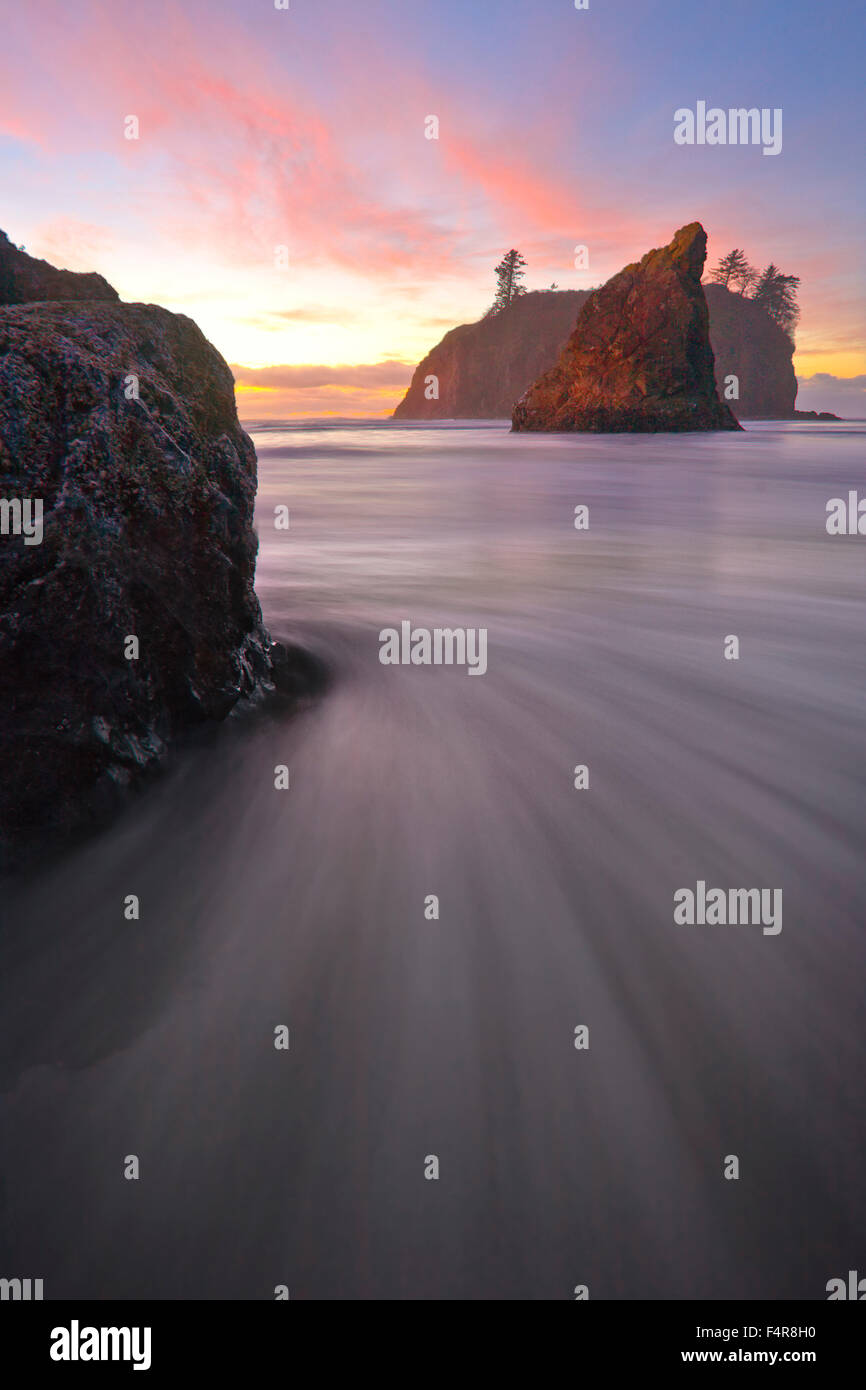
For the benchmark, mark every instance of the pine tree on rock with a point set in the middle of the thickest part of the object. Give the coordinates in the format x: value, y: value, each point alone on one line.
x: 777, y: 294
x: 509, y: 274
x: 734, y: 272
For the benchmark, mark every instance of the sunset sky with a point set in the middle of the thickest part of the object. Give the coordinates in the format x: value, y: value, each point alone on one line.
x: 305, y: 128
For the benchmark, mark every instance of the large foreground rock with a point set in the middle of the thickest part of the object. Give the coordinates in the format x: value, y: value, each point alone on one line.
x: 148, y: 510
x: 639, y: 358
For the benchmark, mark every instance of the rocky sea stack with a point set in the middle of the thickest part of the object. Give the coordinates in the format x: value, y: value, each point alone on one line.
x: 482, y: 368
x: 128, y: 614
x: 639, y: 359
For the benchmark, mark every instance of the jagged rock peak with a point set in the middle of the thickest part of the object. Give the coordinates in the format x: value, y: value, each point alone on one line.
x: 639, y: 358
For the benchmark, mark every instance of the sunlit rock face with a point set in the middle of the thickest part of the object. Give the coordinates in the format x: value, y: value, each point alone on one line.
x: 639, y: 358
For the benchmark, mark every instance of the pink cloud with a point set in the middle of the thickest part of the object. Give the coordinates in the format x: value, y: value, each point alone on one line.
x: 235, y: 157
x: 248, y: 164
x: 71, y: 244
x: 241, y: 161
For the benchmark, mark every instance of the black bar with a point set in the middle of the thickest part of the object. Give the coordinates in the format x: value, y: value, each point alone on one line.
x: 222, y: 1339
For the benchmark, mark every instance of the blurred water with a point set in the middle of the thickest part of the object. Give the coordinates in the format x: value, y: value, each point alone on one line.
x: 455, y: 1038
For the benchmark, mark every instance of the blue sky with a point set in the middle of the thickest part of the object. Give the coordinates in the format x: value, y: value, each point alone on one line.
x: 305, y: 128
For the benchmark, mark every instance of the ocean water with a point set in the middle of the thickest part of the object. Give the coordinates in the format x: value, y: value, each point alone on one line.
x: 412, y: 1038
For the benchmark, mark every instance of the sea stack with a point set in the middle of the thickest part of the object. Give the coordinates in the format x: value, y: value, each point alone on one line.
x: 482, y: 368
x: 639, y: 359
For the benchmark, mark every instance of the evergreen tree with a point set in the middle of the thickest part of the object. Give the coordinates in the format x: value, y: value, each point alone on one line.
x: 735, y: 272
x: 509, y: 274
x: 777, y: 293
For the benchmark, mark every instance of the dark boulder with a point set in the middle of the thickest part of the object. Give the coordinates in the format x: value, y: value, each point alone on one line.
x: 121, y: 420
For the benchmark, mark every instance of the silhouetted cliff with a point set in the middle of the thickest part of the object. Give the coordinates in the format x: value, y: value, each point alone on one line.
x: 484, y: 368
x: 750, y: 345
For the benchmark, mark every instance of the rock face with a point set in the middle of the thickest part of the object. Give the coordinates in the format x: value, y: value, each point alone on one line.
x: 481, y: 368
x: 147, y: 534
x: 24, y: 280
x: 751, y: 346
x: 639, y: 359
